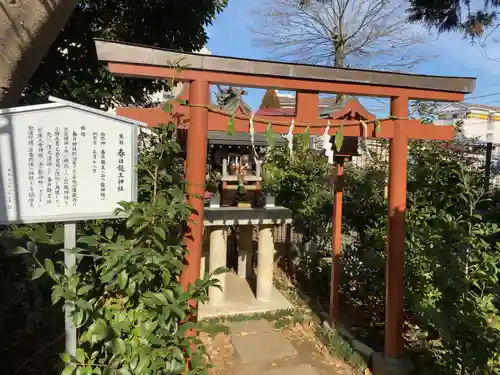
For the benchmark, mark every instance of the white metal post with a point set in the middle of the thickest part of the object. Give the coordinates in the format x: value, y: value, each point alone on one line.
x: 70, y: 262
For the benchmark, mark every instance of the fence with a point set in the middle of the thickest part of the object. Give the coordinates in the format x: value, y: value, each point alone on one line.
x: 371, y: 150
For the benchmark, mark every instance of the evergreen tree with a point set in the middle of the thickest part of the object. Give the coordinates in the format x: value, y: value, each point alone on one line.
x: 270, y: 100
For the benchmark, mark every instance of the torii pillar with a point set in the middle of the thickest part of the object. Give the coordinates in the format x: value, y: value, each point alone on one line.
x: 197, y: 135
x: 393, y: 361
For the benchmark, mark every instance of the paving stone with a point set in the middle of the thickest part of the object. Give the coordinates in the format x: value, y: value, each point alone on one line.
x: 293, y: 370
x: 255, y: 345
x: 251, y: 326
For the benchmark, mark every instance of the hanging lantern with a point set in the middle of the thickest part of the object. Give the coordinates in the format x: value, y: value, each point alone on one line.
x: 349, y: 147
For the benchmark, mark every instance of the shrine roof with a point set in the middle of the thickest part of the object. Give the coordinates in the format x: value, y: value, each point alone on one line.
x: 325, y: 111
x: 120, y: 52
x: 290, y: 112
x: 348, y: 103
x: 239, y: 139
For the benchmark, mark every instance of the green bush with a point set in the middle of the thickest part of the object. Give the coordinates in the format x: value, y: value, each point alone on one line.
x: 302, y: 186
x: 451, y: 253
x: 452, y: 249
x: 132, y: 314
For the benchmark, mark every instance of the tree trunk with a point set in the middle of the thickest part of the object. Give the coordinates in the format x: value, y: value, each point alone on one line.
x: 339, y: 63
x: 27, y: 30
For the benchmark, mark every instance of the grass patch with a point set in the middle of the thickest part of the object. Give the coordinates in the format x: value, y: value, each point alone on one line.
x: 339, y: 347
x: 333, y: 341
x: 280, y: 319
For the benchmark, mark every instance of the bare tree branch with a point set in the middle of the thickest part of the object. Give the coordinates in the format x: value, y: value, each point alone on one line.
x: 489, y: 43
x: 344, y: 33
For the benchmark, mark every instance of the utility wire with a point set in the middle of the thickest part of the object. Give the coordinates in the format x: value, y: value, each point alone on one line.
x: 482, y: 96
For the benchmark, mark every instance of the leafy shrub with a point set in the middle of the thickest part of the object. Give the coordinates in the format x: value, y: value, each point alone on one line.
x: 451, y: 255
x: 303, y: 186
x: 452, y: 249
x: 132, y: 314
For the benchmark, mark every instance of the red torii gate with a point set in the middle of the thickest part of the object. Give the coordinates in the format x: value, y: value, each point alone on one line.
x: 202, y: 70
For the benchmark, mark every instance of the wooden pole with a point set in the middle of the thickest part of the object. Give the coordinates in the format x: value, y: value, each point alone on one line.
x: 394, y: 280
x: 196, y: 161
x: 487, y: 174
x: 336, y: 241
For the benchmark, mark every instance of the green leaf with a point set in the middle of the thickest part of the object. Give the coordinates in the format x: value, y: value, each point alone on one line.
x: 38, y: 235
x: 156, y: 298
x: 177, y: 353
x: 132, y: 221
x: 20, y: 250
x: 65, y: 357
x: 230, y: 126
x: 377, y: 126
x: 339, y: 138
x: 32, y: 248
x: 78, y: 318
x: 57, y: 293
x: 169, y: 293
x: 143, y: 364
x: 167, y: 107
x: 80, y: 355
x: 84, y: 289
x: 57, y: 236
x: 181, y: 101
x: 49, y: 267
x: 270, y: 135
x: 98, y: 331
x: 37, y: 272
x: 131, y: 288
x: 178, y: 311
x: 160, y: 232
x: 85, y: 305
x: 220, y: 270
x: 123, y: 279
x: 119, y: 346
x: 109, y: 233
x: 89, y: 240
x: 124, y: 371
x: 68, y: 370
x: 306, y: 139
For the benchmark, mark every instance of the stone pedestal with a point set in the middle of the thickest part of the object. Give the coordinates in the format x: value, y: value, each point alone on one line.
x: 391, y: 366
x: 245, y: 251
x: 265, y: 263
x: 238, y: 296
x: 217, y: 259
x: 205, y: 250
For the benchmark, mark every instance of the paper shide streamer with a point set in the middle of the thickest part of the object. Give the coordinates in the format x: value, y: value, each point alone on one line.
x: 252, y: 139
x: 327, y: 145
x: 365, y: 140
x: 289, y: 138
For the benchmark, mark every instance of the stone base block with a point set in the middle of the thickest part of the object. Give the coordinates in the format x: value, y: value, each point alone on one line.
x: 382, y: 365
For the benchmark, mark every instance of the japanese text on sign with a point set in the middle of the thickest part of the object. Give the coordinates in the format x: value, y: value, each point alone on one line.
x: 55, y: 169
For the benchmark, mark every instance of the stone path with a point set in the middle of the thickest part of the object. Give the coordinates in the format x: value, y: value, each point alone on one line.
x: 257, y: 348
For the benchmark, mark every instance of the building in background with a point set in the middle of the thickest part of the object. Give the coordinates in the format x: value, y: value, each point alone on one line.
x: 479, y: 127
x: 287, y: 101
x: 478, y: 122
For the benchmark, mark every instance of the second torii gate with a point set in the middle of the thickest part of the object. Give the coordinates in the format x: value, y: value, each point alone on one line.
x: 202, y: 70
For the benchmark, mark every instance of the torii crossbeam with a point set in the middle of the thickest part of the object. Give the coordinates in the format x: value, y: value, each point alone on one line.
x: 200, y: 71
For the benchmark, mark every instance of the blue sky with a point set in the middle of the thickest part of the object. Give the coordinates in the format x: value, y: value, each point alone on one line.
x: 230, y: 35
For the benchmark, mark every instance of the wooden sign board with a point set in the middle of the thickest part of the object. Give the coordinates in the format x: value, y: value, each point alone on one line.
x: 64, y: 162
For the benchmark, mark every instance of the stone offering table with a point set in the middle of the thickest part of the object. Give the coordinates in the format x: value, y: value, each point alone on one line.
x: 236, y: 296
